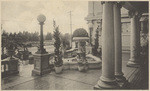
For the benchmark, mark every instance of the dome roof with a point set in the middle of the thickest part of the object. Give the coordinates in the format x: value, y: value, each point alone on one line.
x: 80, y: 32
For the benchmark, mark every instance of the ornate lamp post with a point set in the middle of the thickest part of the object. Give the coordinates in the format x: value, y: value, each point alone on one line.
x: 41, y: 57
x: 41, y: 18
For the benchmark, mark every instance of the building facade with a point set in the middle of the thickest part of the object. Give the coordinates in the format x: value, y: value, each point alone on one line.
x: 94, y: 19
x: 120, y: 29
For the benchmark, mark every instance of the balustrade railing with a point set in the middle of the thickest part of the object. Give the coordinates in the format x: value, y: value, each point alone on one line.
x: 9, y: 67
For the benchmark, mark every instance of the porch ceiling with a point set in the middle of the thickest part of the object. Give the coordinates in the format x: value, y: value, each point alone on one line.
x: 141, y: 6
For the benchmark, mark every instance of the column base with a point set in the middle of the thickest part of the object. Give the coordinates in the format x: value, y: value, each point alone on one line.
x: 119, y: 77
x: 123, y: 83
x: 112, y: 84
x: 133, y: 64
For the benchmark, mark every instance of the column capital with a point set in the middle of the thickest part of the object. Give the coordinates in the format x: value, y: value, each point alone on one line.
x: 119, y: 4
x: 90, y: 21
x: 103, y: 2
x: 99, y: 21
x: 90, y: 24
x: 133, y: 13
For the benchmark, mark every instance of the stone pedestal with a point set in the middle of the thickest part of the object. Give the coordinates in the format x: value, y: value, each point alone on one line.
x: 82, y: 62
x: 13, y: 66
x: 41, y: 64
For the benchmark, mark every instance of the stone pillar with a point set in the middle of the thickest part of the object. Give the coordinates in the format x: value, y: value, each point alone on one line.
x: 118, y: 45
x: 91, y: 29
x: 79, y: 47
x: 82, y: 62
x: 82, y: 50
x: 90, y: 25
x: 135, y: 40
x: 107, y: 79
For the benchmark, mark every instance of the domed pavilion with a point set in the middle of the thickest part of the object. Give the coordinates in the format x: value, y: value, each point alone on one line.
x: 80, y: 35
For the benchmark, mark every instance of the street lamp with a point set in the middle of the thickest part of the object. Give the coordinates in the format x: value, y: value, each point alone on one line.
x: 41, y: 57
x: 41, y: 18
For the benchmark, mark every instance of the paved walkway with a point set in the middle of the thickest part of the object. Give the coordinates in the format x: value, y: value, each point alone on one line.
x: 68, y: 80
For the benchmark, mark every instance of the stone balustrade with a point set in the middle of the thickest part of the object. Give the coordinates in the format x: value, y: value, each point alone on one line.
x: 9, y: 67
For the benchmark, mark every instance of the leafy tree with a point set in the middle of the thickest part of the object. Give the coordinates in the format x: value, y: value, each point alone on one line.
x: 12, y: 43
x: 35, y: 36
x: 65, y: 40
x: 26, y: 36
x: 4, y: 37
x: 48, y: 36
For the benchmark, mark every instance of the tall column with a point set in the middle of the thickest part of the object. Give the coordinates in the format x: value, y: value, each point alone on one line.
x: 135, y: 40
x: 107, y: 79
x: 90, y: 25
x: 118, y: 45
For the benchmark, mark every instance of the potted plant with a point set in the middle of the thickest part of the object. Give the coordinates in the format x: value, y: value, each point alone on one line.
x: 25, y: 52
x: 11, y: 44
x: 11, y: 49
x: 58, y: 62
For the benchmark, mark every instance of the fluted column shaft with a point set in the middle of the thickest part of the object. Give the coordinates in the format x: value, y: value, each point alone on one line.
x: 108, y: 42
x: 118, y: 46
x: 118, y: 39
x: 107, y: 79
x: 135, y: 41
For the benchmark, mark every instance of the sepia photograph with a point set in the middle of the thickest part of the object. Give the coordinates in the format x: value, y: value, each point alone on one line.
x: 74, y: 45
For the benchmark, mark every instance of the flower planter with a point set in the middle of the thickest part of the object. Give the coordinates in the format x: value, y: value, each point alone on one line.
x: 86, y: 67
x: 31, y: 60
x: 25, y: 62
x: 81, y: 68
x: 58, y: 69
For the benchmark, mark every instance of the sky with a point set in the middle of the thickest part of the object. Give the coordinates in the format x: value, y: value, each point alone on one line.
x: 22, y: 15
